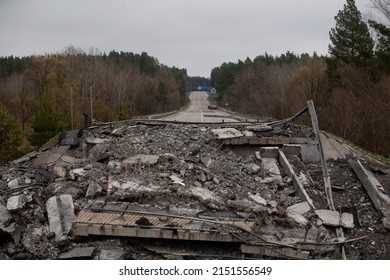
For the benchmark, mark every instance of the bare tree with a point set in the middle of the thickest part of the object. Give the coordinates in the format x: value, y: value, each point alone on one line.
x: 383, y: 6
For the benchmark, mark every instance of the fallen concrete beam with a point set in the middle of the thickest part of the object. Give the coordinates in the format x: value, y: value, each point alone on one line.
x: 373, y: 187
x: 296, y: 182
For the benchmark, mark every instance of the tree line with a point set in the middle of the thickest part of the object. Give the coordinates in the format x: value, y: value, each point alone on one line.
x: 41, y: 96
x: 350, y: 86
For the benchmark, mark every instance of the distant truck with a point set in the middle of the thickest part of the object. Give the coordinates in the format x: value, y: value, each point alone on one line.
x: 202, y: 88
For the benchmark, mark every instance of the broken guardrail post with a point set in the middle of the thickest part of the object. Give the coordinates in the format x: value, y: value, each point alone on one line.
x: 374, y: 189
x: 325, y: 172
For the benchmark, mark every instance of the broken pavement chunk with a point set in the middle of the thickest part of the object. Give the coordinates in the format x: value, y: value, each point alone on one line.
x: 334, y: 218
x: 206, y: 196
x: 297, y: 212
x: 61, y: 215
x: 226, y: 133
x: 18, y: 201
x: 141, y: 159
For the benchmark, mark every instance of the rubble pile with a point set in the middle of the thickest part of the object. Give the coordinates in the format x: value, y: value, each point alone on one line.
x: 185, y: 170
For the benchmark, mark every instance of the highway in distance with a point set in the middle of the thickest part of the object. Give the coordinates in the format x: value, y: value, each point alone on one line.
x: 198, y: 111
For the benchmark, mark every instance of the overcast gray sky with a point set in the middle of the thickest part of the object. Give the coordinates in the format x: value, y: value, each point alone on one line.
x: 193, y: 34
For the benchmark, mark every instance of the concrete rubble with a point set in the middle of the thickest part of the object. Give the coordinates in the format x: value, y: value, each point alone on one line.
x: 130, y: 192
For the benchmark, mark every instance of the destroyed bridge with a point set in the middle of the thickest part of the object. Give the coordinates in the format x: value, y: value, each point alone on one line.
x: 196, y: 184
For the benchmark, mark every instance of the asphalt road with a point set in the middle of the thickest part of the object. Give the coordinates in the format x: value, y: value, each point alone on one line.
x: 198, y: 111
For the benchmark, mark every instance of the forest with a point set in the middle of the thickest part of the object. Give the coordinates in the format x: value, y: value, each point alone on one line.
x: 41, y: 96
x: 350, y: 87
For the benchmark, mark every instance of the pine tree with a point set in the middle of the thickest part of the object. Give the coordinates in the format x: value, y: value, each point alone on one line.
x: 11, y: 135
x: 45, y: 122
x: 350, y: 39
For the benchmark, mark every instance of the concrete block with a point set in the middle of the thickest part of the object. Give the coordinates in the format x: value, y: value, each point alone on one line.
x: 310, y: 153
x: 18, y: 201
x: 291, y: 149
x: 60, y: 211
x: 13, y: 184
x: 269, y: 152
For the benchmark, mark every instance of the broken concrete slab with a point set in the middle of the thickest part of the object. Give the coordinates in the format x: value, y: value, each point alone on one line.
x: 226, y: 133
x: 207, y: 197
x: 297, y: 211
x: 334, y: 218
x: 333, y: 149
x: 61, y: 215
x: 272, y: 169
x: 78, y: 253
x: 310, y: 153
x: 18, y: 201
x: 93, y: 190
x: 141, y: 159
x: 13, y: 184
x: 46, y: 159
